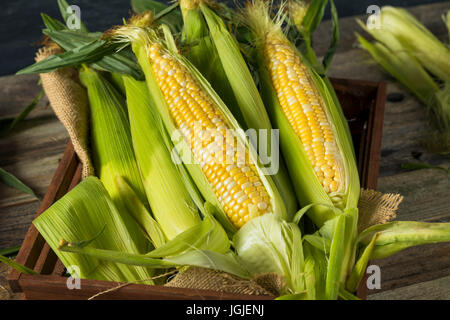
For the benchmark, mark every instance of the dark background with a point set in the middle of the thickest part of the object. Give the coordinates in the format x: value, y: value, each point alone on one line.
x: 20, y: 22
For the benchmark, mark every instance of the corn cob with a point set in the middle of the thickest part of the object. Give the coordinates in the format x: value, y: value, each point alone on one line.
x: 218, y: 57
x: 236, y: 186
x: 305, y: 111
x: 314, y: 134
x: 230, y: 177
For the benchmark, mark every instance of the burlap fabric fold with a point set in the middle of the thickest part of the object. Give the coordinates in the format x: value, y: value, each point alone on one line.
x: 69, y: 101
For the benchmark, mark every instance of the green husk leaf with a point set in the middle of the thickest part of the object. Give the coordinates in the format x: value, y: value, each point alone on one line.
x: 401, y: 65
x: 345, y: 295
x: 80, y: 215
x: 316, y: 264
x: 111, y: 143
x: 269, y: 244
x: 414, y: 39
x: 199, y: 258
x: 318, y: 242
x: 313, y: 16
x: 207, y: 235
x: 171, y: 204
x: 361, y: 266
x: 337, y: 254
x: 140, y: 213
x: 10, y: 180
x: 295, y: 296
x: 399, y: 235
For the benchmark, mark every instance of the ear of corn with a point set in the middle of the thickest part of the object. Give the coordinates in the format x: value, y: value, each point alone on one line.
x: 232, y: 182
x: 112, y: 148
x: 232, y: 80
x: 169, y: 200
x: 314, y: 134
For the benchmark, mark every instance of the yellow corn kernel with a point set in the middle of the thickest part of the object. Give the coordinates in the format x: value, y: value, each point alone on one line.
x: 237, y: 186
x: 305, y: 112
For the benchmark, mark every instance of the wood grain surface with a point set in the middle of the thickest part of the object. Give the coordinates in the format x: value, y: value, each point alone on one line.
x: 33, y: 151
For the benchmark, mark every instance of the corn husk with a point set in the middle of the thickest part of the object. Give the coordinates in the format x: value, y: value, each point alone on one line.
x: 88, y: 213
x: 169, y: 199
x: 111, y: 144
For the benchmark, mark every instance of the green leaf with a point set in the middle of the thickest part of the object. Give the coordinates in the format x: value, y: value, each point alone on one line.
x: 329, y: 54
x: 88, y: 53
x: 9, y: 251
x: 123, y: 62
x: 11, y: 263
x: 52, y: 24
x: 25, y: 112
x: 11, y: 181
x: 69, y: 39
x: 418, y: 166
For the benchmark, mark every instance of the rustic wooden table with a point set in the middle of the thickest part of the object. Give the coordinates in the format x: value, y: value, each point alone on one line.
x: 33, y: 150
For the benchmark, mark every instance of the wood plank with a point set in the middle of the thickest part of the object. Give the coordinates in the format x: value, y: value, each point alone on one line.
x: 16, y: 92
x: 438, y: 289
x: 426, y: 194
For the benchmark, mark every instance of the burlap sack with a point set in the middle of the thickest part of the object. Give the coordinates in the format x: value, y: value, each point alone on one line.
x: 70, y: 103
x: 68, y: 99
x: 207, y: 279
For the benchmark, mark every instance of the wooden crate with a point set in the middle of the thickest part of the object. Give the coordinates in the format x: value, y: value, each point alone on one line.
x: 363, y: 103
